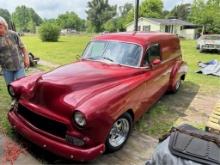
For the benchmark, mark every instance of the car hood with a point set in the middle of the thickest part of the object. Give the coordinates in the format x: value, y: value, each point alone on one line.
x: 84, y: 74
x: 78, y: 82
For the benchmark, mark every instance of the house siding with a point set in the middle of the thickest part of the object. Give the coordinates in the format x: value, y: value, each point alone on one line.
x: 156, y: 27
x: 142, y: 23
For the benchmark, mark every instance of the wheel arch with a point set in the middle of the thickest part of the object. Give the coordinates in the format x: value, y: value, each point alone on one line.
x: 130, y: 112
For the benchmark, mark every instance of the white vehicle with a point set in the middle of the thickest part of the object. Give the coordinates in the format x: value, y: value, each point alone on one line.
x: 208, y: 42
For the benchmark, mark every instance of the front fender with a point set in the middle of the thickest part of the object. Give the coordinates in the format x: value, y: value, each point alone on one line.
x: 25, y: 85
x: 104, y: 108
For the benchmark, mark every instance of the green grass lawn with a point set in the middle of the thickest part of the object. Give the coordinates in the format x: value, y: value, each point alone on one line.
x: 62, y: 52
x: 192, y: 57
x: 66, y: 51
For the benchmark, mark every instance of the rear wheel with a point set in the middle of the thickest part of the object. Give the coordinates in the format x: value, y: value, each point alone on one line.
x: 119, y: 133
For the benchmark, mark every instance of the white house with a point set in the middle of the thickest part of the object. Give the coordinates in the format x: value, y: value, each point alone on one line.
x: 175, y: 26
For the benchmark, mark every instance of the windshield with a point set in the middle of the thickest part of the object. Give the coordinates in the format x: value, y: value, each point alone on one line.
x: 115, y: 52
x: 211, y: 37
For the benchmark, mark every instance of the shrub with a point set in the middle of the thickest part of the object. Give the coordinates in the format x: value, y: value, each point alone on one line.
x: 49, y: 31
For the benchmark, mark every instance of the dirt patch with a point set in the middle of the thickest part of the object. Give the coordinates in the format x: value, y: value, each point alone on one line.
x: 200, y: 108
x: 48, y: 64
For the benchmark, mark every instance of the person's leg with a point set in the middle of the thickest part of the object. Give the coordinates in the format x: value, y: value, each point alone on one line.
x: 8, y: 76
x: 19, y: 74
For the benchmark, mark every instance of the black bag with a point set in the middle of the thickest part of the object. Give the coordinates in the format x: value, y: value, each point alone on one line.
x: 190, y: 143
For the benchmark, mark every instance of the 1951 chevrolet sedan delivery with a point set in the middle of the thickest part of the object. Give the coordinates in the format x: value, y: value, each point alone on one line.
x: 82, y: 109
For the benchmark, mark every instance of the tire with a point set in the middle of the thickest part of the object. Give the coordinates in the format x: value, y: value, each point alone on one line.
x: 201, y: 50
x: 177, y: 85
x: 119, y: 133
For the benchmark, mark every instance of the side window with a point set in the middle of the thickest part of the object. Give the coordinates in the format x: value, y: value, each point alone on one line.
x: 153, y: 52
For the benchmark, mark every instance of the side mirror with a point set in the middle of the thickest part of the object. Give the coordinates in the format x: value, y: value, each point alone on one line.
x: 156, y: 62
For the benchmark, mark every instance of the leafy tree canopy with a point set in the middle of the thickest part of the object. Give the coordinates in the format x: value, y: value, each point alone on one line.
x: 6, y: 15
x: 206, y: 13
x: 70, y: 20
x: 26, y: 19
x: 181, y: 11
x: 99, y: 12
x: 151, y: 8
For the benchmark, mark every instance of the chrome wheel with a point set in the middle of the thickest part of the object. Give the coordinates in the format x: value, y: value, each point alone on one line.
x: 119, y: 132
x: 178, y: 84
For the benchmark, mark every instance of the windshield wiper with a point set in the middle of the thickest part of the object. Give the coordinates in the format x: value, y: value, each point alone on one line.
x: 91, y: 58
x: 107, y: 58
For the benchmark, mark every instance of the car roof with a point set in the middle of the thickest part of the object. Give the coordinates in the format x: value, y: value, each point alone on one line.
x: 141, y: 38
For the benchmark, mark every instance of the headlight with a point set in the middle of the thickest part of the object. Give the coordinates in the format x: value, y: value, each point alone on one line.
x: 11, y: 91
x: 79, y: 119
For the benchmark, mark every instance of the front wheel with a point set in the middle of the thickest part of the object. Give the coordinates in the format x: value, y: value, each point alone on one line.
x: 119, y: 133
x: 201, y: 50
x: 177, y: 86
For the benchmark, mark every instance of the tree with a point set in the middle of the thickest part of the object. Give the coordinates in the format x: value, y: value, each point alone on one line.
x: 6, y: 15
x: 70, y: 20
x: 21, y: 17
x: 125, y: 9
x: 111, y: 25
x: 166, y: 14
x: 25, y: 18
x: 151, y: 8
x: 35, y: 17
x: 180, y: 11
x: 206, y: 14
x: 31, y: 26
x: 99, y: 12
x: 126, y: 15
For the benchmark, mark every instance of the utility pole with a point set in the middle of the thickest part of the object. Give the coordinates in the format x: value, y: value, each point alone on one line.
x: 136, y: 15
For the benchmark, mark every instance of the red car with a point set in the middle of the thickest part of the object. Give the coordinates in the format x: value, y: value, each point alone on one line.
x: 85, y: 108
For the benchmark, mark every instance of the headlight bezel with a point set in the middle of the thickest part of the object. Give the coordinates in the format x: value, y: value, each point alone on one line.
x: 79, y: 119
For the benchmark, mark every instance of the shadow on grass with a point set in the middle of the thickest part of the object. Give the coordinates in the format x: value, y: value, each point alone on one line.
x: 163, y: 115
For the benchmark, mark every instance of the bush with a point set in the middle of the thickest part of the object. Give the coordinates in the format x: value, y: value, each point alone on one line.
x: 49, y: 31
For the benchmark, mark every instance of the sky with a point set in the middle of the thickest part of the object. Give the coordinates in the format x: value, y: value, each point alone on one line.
x: 52, y: 8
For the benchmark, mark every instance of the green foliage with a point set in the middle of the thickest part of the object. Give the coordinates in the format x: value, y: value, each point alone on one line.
x: 111, y: 25
x: 206, y: 13
x: 70, y: 20
x: 151, y: 8
x: 6, y: 15
x: 89, y: 27
x: 180, y: 11
x: 119, y: 23
x: 125, y: 9
x: 99, y: 12
x: 166, y: 14
x: 49, y: 32
x: 126, y: 16
x: 31, y: 26
x: 26, y: 19
x: 35, y: 17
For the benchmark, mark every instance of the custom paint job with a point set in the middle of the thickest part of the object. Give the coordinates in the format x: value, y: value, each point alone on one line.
x: 101, y: 91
